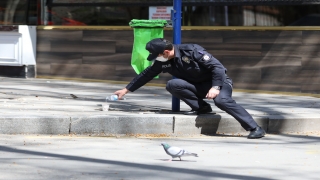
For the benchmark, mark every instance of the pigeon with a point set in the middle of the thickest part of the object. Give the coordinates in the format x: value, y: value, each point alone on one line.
x: 175, y: 152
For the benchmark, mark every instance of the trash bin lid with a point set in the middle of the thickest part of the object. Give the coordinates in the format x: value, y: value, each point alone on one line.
x: 148, y: 23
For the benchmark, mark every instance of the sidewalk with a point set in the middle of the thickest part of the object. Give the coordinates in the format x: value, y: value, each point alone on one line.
x: 44, y: 106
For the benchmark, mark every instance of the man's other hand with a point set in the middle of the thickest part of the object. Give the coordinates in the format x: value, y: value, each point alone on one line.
x: 213, y: 93
x: 121, y: 92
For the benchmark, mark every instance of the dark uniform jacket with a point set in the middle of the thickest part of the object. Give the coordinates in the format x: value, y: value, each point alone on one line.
x: 191, y: 63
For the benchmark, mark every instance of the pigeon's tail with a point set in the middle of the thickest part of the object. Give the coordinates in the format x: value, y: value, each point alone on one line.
x: 194, y: 154
x: 191, y: 154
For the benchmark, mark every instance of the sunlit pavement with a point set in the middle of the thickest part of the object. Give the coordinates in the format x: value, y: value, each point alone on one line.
x: 86, y: 157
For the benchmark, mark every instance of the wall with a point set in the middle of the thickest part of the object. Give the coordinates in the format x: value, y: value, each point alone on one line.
x: 18, y: 51
x: 278, y: 60
x: 29, y: 41
x: 10, y: 48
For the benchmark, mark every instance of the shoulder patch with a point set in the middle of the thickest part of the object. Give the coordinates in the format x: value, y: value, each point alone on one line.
x: 206, y: 57
x: 186, y: 59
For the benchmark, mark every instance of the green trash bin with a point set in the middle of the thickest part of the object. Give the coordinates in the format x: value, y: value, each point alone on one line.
x: 144, y: 31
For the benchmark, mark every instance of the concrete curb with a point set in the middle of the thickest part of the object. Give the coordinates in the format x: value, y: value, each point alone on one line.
x: 122, y: 125
x: 280, y: 124
x: 34, y: 125
x: 213, y: 124
x: 156, y: 124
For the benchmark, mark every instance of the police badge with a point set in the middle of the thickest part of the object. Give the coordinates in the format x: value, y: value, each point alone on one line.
x: 186, y: 59
x: 206, y: 57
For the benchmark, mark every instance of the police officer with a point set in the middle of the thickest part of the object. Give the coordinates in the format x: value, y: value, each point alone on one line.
x: 200, y: 76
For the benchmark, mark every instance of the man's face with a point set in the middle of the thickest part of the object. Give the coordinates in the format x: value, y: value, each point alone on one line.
x: 165, y: 54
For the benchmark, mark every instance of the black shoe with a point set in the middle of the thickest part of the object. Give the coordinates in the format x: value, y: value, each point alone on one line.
x: 258, y: 132
x: 205, y: 109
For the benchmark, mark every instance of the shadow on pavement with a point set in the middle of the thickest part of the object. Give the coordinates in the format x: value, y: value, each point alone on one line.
x: 201, y: 173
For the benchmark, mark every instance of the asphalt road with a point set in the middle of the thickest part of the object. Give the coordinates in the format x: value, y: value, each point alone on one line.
x: 85, y: 157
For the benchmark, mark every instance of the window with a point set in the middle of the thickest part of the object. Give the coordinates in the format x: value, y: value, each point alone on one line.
x: 18, y: 12
x: 195, y: 13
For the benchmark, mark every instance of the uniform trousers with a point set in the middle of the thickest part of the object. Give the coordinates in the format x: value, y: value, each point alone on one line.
x: 194, y: 93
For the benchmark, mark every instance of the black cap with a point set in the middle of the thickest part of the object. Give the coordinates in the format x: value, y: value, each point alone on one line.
x: 155, y: 47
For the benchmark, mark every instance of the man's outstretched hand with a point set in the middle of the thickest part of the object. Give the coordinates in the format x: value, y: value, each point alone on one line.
x: 213, y: 93
x: 121, y: 92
